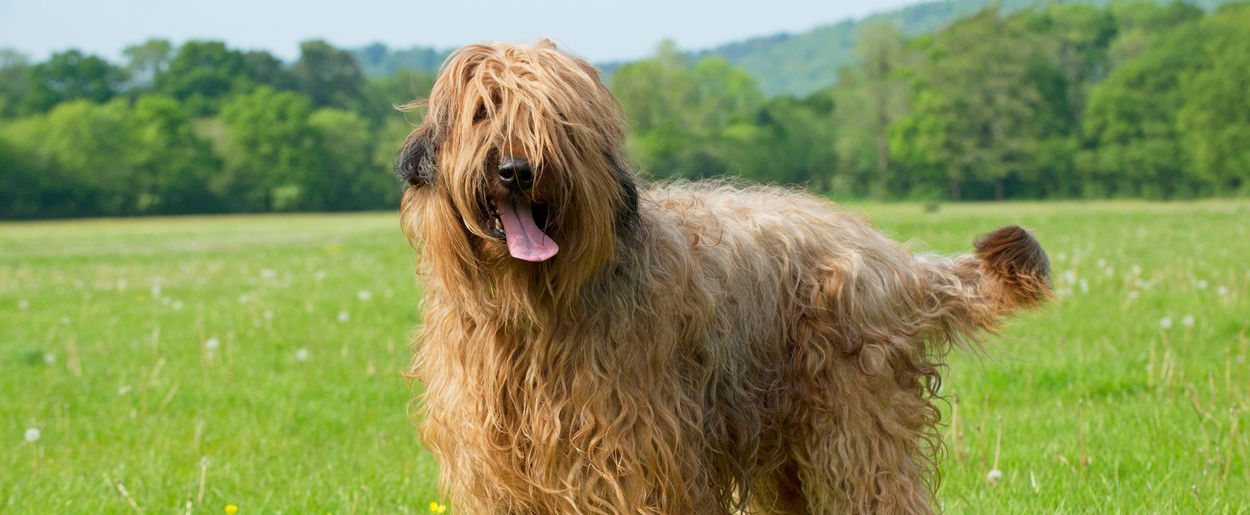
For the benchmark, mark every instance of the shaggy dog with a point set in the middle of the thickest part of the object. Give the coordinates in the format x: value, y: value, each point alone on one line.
x: 591, y: 346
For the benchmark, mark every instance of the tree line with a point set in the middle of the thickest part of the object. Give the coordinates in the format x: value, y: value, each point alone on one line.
x: 1066, y: 100
x: 198, y: 128
x: 1062, y: 101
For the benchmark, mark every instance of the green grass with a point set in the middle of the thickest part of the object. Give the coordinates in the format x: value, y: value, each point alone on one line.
x: 105, y: 331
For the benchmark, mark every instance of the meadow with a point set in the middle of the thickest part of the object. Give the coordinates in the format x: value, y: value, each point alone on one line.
x: 186, y: 364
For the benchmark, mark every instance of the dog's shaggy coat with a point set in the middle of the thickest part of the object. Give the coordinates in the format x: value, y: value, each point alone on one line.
x: 692, y: 348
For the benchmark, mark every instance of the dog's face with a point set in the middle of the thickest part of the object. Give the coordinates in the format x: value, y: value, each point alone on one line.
x: 519, y: 161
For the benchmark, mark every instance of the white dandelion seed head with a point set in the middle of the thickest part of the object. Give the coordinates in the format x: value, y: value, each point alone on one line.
x: 1188, y: 321
x: 177, y: 305
x: 268, y: 314
x: 64, y: 320
x: 994, y: 476
x: 1084, y: 286
x: 32, y: 435
x: 364, y: 295
x: 23, y: 304
x: 1165, y: 323
x: 343, y: 317
x: 212, y: 343
x: 156, y: 288
x: 123, y: 389
x: 49, y: 358
x: 301, y: 354
x: 319, y: 275
x: 1202, y: 284
x: 1136, y: 270
x: 268, y: 273
x: 1222, y: 291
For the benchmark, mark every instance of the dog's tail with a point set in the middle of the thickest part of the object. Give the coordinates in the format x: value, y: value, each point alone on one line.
x: 1012, y: 268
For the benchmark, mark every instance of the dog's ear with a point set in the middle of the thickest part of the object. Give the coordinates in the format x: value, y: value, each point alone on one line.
x: 545, y: 43
x: 627, y: 218
x: 415, y: 164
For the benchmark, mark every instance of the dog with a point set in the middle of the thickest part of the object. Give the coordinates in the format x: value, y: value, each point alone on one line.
x: 592, y: 345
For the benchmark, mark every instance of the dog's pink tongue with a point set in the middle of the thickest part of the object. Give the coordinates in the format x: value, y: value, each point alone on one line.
x: 525, y: 240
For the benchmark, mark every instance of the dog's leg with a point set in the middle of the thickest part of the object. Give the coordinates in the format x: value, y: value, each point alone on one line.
x: 864, y: 426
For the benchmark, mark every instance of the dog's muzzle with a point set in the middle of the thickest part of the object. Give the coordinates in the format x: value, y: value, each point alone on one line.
x: 516, y: 175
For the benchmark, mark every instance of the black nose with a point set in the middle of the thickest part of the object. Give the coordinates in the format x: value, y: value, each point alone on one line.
x: 516, y: 174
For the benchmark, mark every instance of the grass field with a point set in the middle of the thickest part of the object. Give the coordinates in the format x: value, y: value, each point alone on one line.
x: 189, y: 363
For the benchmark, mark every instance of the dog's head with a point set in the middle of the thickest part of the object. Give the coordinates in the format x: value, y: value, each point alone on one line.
x: 519, y: 162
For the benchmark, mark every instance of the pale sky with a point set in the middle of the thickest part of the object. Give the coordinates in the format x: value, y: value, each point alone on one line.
x: 600, y: 31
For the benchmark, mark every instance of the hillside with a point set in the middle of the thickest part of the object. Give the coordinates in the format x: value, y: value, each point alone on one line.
x: 800, y: 63
x: 786, y: 63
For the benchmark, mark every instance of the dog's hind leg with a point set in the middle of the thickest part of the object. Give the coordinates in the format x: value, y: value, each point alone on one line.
x: 864, y: 428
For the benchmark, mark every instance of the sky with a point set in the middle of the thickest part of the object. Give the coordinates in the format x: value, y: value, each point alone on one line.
x: 599, y: 31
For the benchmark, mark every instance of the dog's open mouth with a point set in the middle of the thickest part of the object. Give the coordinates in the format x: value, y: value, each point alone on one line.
x: 520, y: 223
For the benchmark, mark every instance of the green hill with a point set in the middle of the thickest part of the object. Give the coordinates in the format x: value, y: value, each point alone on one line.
x: 786, y: 63
x: 801, y: 63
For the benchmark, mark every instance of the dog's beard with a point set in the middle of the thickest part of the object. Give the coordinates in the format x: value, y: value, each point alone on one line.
x: 525, y: 237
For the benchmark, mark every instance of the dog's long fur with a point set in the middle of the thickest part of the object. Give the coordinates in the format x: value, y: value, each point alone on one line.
x: 692, y: 348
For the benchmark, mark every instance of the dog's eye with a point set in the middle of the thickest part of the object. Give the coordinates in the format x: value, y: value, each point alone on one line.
x: 480, y: 114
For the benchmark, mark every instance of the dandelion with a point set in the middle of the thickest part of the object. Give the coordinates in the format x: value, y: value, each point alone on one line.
x: 23, y: 304
x: 32, y: 435
x: 1202, y: 284
x: 1188, y: 321
x: 435, y: 507
x: 212, y: 343
x: 268, y: 314
x: 123, y: 389
x: 177, y: 305
x: 231, y: 509
x: 319, y: 275
x: 1136, y: 270
x: 994, y: 476
x: 343, y: 317
x: 156, y: 288
x: 364, y: 295
x: 1222, y: 291
x: 301, y: 354
x: 268, y: 273
x: 49, y: 358
x: 1165, y: 323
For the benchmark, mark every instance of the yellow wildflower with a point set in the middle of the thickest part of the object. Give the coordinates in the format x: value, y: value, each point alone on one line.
x: 435, y: 507
x: 231, y: 509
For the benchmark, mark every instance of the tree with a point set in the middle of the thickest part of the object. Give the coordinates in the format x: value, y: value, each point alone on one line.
x: 202, y: 74
x: 1130, y: 126
x: 81, y: 155
x: 1214, y: 118
x: 174, y: 167
x: 13, y: 81
x: 70, y: 75
x: 994, y: 91
x: 346, y: 177
x: 329, y: 76
x: 146, y: 61
x: 871, y: 97
x: 271, y: 150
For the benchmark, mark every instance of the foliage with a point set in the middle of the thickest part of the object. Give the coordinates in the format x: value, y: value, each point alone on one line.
x: 1019, y: 100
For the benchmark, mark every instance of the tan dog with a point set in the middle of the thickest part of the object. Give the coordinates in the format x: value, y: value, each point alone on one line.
x: 593, y: 347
